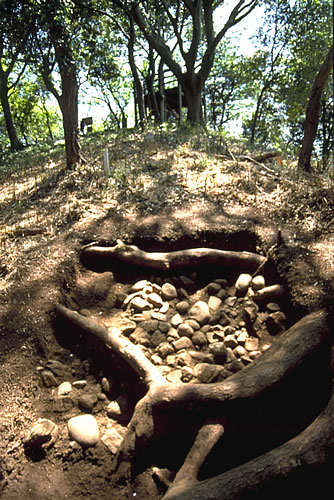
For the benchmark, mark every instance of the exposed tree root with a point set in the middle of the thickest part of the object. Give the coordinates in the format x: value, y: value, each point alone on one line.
x: 222, y: 402
x: 179, y: 259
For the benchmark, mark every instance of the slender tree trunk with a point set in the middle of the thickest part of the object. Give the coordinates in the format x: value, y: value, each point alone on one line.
x: 313, y: 111
x: 257, y: 113
x: 68, y: 100
x: 15, y: 143
x: 69, y: 109
x: 139, y: 94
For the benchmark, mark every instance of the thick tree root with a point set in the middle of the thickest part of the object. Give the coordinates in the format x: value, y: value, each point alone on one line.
x: 166, y: 261
x: 303, y: 454
x: 113, y: 338
x: 206, y: 438
x: 227, y: 399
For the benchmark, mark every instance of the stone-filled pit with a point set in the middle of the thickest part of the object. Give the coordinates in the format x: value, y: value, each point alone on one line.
x: 195, y: 332
x: 196, y: 325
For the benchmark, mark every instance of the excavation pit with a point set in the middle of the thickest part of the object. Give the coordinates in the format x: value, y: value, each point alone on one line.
x: 191, y: 316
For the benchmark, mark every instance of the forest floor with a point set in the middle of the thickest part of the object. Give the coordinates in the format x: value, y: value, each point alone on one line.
x: 164, y: 192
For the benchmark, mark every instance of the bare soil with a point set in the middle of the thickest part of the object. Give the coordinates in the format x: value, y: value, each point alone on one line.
x: 179, y: 191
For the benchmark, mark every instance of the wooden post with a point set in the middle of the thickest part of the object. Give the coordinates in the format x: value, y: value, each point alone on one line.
x: 106, y: 161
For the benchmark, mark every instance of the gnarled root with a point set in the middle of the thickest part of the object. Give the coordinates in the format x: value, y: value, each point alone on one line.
x: 166, y: 261
x: 215, y: 404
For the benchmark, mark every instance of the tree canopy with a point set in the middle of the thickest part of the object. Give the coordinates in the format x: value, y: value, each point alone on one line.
x: 133, y: 53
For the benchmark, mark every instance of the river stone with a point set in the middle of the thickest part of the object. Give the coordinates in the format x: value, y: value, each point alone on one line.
x: 164, y: 308
x: 276, y: 322
x: 200, y: 312
x: 88, y: 401
x: 168, y: 291
x: 202, y: 357
x: 84, y: 430
x: 157, y: 338
x: 155, y: 299
x: 194, y: 324
x: 222, y: 294
x: 182, y: 307
x: 165, y: 349
x: 114, y: 409
x: 242, y: 337
x: 219, y: 351
x: 186, y: 281
x: 175, y: 377
x: 64, y: 388
x: 213, y: 288
x: 43, y: 434
x: 258, y: 282
x: 230, y: 341
x: 156, y: 360
x: 125, y: 325
x: 139, y: 285
x: 230, y: 301
x: 240, y: 351
x: 205, y: 372
x: 235, y: 366
x: 150, y: 325
x: 182, y: 343
x: 214, y: 303
x: 79, y: 384
x: 140, y: 304
x: 176, y: 320
x: 185, y: 330
x: 199, y: 339
x: 243, y: 282
x: 172, y: 334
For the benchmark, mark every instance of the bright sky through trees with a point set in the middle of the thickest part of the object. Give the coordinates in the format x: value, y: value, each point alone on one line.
x: 91, y: 103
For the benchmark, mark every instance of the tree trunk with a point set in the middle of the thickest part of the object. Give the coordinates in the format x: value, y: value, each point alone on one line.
x: 313, y: 111
x: 257, y: 114
x: 15, y: 143
x: 139, y: 94
x: 193, y: 97
x: 68, y: 100
x: 69, y: 109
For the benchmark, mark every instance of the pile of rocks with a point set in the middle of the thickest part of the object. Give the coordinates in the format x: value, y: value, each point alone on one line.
x: 192, y: 333
x: 198, y: 335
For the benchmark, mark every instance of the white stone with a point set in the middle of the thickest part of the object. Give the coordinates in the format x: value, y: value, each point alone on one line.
x: 200, y: 312
x: 113, y: 409
x: 214, y: 303
x: 176, y: 320
x: 139, y: 285
x: 140, y: 304
x: 84, y: 430
x: 168, y: 291
x: 64, y: 388
x: 258, y: 282
x: 243, y: 282
x: 155, y: 300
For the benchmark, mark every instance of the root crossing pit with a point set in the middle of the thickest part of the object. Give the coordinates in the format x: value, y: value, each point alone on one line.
x: 181, y: 325
x: 197, y: 324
